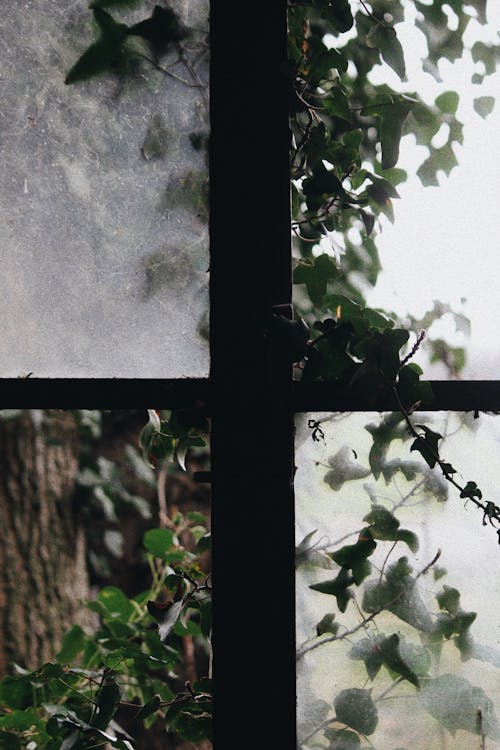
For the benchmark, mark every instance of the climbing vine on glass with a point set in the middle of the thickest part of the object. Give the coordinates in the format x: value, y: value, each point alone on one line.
x: 346, y: 134
x: 390, y: 650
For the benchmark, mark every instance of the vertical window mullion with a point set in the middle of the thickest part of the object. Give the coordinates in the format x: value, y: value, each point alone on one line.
x: 252, y: 429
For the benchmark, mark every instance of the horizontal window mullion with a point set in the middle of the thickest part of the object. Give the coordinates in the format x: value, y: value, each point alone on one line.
x: 466, y: 395
x: 102, y: 393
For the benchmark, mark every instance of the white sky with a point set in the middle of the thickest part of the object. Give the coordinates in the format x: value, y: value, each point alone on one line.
x: 444, y: 242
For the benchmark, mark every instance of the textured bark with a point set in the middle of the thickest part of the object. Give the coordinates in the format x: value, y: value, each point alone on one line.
x: 43, y: 578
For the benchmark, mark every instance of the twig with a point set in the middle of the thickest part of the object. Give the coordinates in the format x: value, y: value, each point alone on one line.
x: 415, y: 348
x: 163, y: 516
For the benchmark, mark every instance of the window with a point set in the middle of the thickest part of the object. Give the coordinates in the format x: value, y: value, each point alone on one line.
x: 249, y: 394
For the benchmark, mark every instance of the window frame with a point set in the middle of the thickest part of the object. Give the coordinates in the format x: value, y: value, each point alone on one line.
x: 249, y: 395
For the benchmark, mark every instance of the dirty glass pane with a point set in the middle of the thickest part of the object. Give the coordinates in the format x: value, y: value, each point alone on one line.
x: 398, y: 642
x: 103, y: 193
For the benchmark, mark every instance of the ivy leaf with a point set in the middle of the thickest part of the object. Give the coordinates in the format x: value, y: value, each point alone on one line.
x: 337, y: 105
x: 471, y: 490
x: 353, y: 554
x: 399, y: 594
x: 103, y: 55
x: 343, y: 469
x: 338, y: 14
x: 449, y: 599
x: 327, y: 624
x: 108, y: 700
x: 454, y: 702
x: 392, y: 659
x: 367, y: 650
x: 427, y: 445
x: 342, y: 739
x: 484, y: 105
x: 355, y: 707
x: 152, y: 705
x: 386, y: 41
x: 72, y: 643
x: 315, y: 274
x: 166, y: 614
x: 158, y: 541
x: 385, y: 526
x: 392, y: 117
x: 161, y: 30
x: 337, y: 587
x: 447, y: 102
x: 306, y: 553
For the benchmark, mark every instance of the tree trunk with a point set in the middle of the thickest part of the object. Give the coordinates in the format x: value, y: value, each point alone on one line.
x: 43, y: 578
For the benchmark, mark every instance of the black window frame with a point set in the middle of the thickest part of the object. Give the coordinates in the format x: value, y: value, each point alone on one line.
x: 249, y: 396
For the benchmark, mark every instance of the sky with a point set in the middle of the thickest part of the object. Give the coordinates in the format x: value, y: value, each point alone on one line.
x: 444, y: 243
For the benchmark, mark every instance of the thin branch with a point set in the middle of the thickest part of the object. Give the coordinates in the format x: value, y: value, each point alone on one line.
x: 323, y: 725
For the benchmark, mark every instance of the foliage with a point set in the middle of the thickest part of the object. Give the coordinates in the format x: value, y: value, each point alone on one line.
x: 387, y: 612
x: 345, y: 145
x: 125, y: 670
x: 346, y: 133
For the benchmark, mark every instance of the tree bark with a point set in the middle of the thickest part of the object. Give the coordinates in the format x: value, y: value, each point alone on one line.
x: 43, y: 577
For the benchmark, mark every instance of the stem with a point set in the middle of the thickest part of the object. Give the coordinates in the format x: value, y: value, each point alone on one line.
x: 164, y: 518
x: 75, y: 690
x: 323, y: 725
x: 489, y: 509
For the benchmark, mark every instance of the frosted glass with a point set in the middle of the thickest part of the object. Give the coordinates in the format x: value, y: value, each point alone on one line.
x: 103, y: 210
x: 455, y: 675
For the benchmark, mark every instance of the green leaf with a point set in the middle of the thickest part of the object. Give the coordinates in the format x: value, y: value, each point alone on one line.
x: 161, y: 30
x: 471, y: 490
x: 386, y: 41
x: 367, y: 650
x: 339, y: 16
x: 108, y: 700
x: 315, y: 274
x: 391, y: 129
x: 327, y: 624
x: 399, y: 594
x: 337, y: 587
x: 337, y: 105
x: 204, y: 543
x: 392, y: 659
x: 427, y: 445
x: 385, y: 526
x: 449, y: 599
x: 116, y: 603
x: 355, y: 707
x: 152, y: 705
x: 454, y: 702
x: 49, y: 671
x: 158, y: 541
x: 342, y: 739
x: 484, y: 105
x: 352, y: 554
x: 9, y: 741
x: 105, y: 54
x: 16, y: 692
x: 448, y: 102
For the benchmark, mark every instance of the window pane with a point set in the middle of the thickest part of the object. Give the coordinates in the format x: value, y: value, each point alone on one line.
x: 405, y: 576
x: 103, y: 197
x: 443, y: 245
x: 104, y: 578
